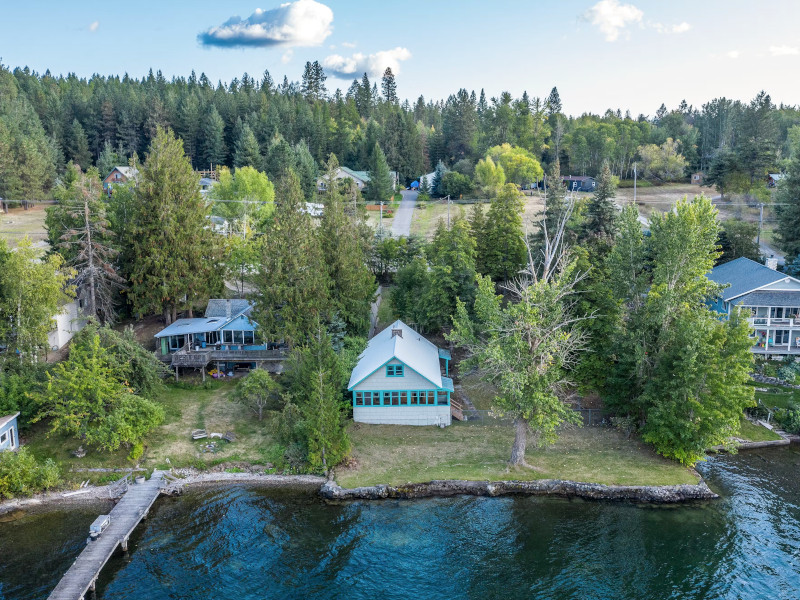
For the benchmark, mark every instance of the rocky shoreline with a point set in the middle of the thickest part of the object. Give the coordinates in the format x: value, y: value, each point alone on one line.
x: 665, y: 494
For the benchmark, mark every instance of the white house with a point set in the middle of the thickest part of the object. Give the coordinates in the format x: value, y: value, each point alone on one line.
x: 9, y: 433
x: 65, y: 325
x: 361, y: 178
x: 398, y: 380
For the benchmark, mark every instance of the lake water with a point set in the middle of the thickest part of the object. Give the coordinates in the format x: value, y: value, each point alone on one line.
x: 243, y: 543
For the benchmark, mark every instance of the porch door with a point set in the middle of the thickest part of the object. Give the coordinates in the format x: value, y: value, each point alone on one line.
x: 13, y: 442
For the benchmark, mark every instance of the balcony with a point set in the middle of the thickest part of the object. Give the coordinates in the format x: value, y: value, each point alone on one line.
x: 200, y: 358
x: 776, y: 349
x: 772, y: 322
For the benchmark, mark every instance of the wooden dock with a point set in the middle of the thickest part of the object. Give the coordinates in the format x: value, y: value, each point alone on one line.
x: 125, y: 516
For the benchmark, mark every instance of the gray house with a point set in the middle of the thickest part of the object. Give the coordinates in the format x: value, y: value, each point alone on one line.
x: 579, y: 183
x: 9, y: 432
x: 399, y: 381
x: 771, y: 298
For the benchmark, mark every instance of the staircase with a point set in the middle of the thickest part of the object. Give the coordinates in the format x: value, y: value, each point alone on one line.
x: 456, y: 410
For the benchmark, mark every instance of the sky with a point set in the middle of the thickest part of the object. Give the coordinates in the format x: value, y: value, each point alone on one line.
x: 632, y: 55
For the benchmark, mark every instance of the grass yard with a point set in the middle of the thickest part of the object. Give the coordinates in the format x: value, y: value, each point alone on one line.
x: 396, y: 455
x: 18, y: 223
x: 186, y: 409
x: 776, y: 396
x: 756, y: 433
x: 661, y: 198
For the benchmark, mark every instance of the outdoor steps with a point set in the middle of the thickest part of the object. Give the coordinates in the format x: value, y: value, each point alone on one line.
x: 456, y: 410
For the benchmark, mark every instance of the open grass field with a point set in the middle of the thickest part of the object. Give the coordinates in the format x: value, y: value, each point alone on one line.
x: 18, y: 223
x: 775, y: 396
x: 660, y: 198
x: 397, y: 455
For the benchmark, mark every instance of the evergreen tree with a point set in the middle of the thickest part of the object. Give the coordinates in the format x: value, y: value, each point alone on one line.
x: 345, y: 243
x: 788, y: 209
x: 78, y: 146
x: 246, y: 152
x: 477, y: 229
x: 503, y: 251
x: 85, y: 240
x: 213, y: 151
x: 306, y: 168
x: 280, y: 159
x: 389, y: 86
x: 292, y: 288
x: 380, y: 187
x: 438, y: 176
x: 363, y: 97
x: 108, y: 159
x: 175, y: 257
x: 601, y: 214
x: 553, y: 102
x: 316, y: 375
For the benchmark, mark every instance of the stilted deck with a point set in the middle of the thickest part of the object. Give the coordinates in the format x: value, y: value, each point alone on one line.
x: 125, y: 516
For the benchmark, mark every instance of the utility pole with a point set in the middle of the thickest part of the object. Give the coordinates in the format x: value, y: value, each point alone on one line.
x: 634, y: 184
x: 448, y: 211
x: 760, y: 222
x: 381, y: 226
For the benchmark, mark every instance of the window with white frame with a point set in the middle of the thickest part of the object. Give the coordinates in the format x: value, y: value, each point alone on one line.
x: 394, y: 370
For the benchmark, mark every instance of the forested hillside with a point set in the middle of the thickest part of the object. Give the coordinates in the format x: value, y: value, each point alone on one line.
x: 47, y: 121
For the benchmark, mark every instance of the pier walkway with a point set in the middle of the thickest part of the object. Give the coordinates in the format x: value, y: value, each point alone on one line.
x: 125, y: 516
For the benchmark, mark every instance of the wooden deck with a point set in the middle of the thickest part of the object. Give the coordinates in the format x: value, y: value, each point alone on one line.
x: 125, y: 516
x: 201, y: 358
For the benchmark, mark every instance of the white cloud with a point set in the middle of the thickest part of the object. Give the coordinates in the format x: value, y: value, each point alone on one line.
x: 349, y: 44
x: 784, y: 50
x: 611, y: 17
x: 733, y: 54
x: 372, y: 64
x: 287, y: 56
x: 679, y: 28
x: 94, y: 26
x: 299, y: 23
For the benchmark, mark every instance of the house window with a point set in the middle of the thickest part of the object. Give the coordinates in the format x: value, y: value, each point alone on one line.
x: 227, y: 337
x: 414, y: 398
x: 403, y: 398
x: 394, y: 398
x: 442, y: 397
x: 175, y: 342
x: 248, y: 337
x: 3, y: 438
x: 781, y: 337
x: 394, y: 370
x: 238, y: 338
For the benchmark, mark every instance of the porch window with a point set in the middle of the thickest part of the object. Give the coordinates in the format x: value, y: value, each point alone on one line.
x: 359, y: 398
x: 781, y: 337
x: 248, y: 337
x: 212, y: 337
x: 394, y: 398
x: 238, y: 337
x: 227, y: 337
x: 414, y: 398
x: 776, y: 312
x: 403, y: 398
x: 442, y: 397
x: 175, y: 342
x: 431, y: 395
x: 3, y: 438
x: 394, y: 370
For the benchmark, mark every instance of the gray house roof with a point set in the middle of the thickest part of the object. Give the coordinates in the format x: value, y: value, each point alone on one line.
x: 768, y: 298
x: 743, y: 275
x: 409, y: 347
x: 220, y: 307
x: 7, y: 419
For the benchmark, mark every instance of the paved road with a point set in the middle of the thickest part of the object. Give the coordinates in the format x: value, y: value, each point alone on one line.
x: 402, y: 218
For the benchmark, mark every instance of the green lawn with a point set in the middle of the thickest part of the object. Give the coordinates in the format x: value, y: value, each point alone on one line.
x: 776, y: 396
x: 756, y: 433
x: 396, y: 455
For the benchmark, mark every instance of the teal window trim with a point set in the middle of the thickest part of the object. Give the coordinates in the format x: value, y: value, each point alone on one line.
x: 384, y: 398
x: 395, y: 370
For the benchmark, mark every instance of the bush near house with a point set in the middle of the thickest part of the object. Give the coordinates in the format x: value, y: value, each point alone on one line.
x: 22, y: 475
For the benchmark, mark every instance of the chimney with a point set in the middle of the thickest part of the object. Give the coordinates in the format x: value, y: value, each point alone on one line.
x: 397, y: 332
x: 228, y: 309
x: 772, y: 263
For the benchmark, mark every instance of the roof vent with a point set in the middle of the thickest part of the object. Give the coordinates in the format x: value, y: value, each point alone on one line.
x: 397, y: 332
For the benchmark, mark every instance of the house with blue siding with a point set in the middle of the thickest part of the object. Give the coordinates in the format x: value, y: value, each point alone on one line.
x: 770, y: 298
x: 225, y: 336
x: 401, y: 379
x: 9, y: 432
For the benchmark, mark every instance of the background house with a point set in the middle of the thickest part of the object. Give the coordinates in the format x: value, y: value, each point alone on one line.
x: 771, y: 298
x: 697, y: 178
x: 9, y: 432
x: 579, y: 183
x: 361, y: 178
x: 118, y: 175
x: 398, y: 380
x: 774, y: 178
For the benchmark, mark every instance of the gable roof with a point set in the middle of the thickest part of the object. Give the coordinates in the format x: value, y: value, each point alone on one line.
x: 7, y: 419
x: 128, y: 172
x: 362, y: 175
x: 221, y: 307
x: 580, y: 178
x: 410, y: 348
x: 770, y: 298
x: 743, y: 275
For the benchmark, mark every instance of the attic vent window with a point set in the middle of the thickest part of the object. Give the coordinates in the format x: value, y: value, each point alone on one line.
x: 397, y: 332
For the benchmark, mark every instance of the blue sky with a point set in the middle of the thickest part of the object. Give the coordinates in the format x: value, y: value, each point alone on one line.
x: 628, y: 54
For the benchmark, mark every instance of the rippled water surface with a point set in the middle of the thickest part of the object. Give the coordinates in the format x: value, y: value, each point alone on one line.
x: 243, y: 543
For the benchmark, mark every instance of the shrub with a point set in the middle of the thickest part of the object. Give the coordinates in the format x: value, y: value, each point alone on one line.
x: 789, y: 418
x: 136, y: 452
x: 22, y: 475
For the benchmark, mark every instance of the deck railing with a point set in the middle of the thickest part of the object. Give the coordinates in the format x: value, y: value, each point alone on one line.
x: 773, y: 322
x: 200, y: 358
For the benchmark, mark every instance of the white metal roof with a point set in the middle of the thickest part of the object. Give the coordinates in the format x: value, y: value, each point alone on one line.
x: 410, y: 348
x: 7, y: 419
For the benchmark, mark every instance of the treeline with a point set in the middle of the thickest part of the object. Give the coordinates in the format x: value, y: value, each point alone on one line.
x: 48, y: 121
